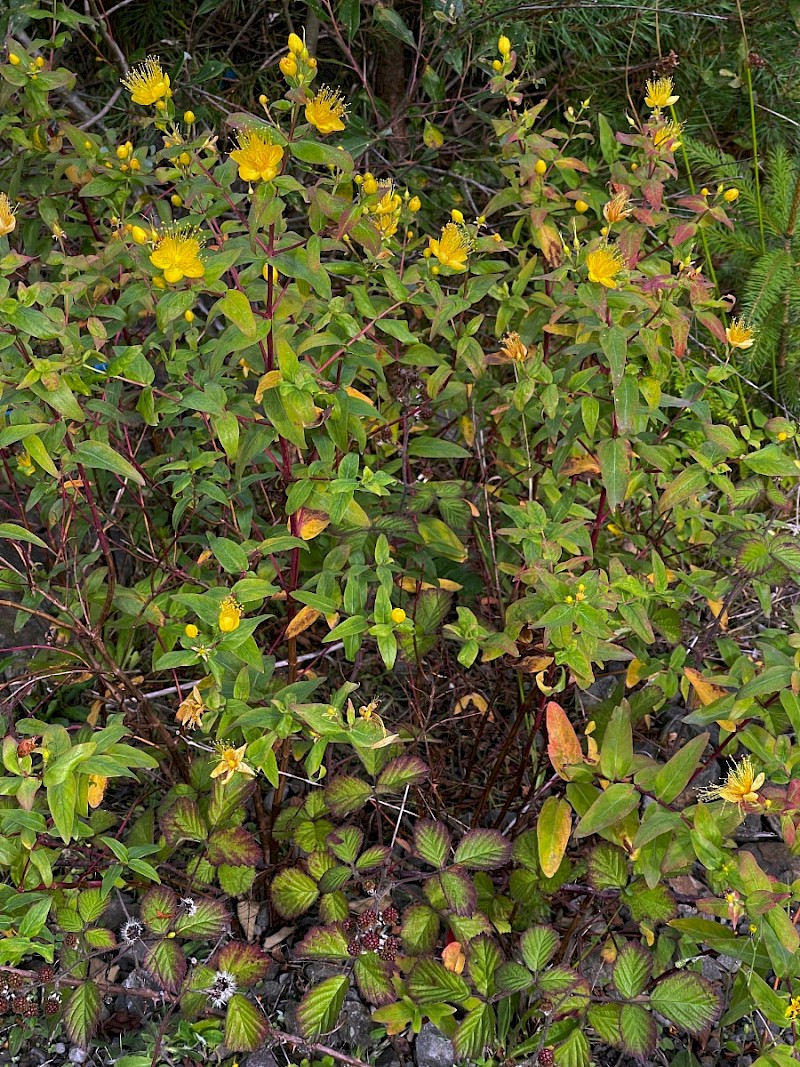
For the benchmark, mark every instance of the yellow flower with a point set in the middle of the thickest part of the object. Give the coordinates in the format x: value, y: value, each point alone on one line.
x: 604, y: 265
x: 190, y: 711
x: 452, y: 248
x: 326, y: 111
x: 659, y: 94
x: 96, y: 790
x: 295, y: 44
x: 398, y: 616
x: 230, y: 615
x: 617, y: 208
x: 730, y: 195
x: 456, y: 215
x: 668, y: 136
x: 740, y: 335
x: 7, y: 220
x: 793, y: 1009
x: 288, y: 66
x: 147, y: 83
x: 139, y: 235
x: 191, y: 630
x: 740, y: 786
x: 258, y: 158
x: 188, y: 116
x: 540, y: 167
x: 14, y: 60
x: 231, y: 761
x: 503, y: 45
x: 414, y: 203
x: 370, y: 185
x: 581, y: 207
x: 178, y: 255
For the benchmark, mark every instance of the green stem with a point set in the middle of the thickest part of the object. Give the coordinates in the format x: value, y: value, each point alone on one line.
x: 756, y: 175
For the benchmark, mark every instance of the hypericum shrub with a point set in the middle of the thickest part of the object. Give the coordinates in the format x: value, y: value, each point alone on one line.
x: 250, y: 410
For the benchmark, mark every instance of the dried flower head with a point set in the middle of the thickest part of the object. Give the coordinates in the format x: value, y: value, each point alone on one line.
x: 7, y: 220
x: 177, y: 253
x: 188, y: 906
x: 222, y: 989
x: 147, y: 83
x: 604, y: 264
x: 190, y: 710
x: 257, y: 157
x: 452, y: 248
x: 659, y: 94
x: 617, y: 208
x: 741, y: 785
x: 326, y: 111
x: 740, y: 335
x: 131, y: 931
x: 513, y: 349
x: 231, y: 761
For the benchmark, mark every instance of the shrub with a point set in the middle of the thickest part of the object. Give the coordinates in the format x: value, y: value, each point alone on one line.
x: 250, y: 411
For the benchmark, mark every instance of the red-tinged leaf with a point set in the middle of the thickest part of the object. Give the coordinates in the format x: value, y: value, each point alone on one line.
x: 82, y: 1013
x: 372, y: 857
x: 293, y: 892
x: 563, y: 746
x: 687, y: 1000
x: 684, y: 232
x: 432, y: 842
x: 183, y: 822
x: 553, y: 828
x: 459, y: 891
x: 420, y: 929
x: 638, y: 1031
x: 694, y: 203
x: 345, y: 794
x: 247, y: 963
x: 571, y: 163
x: 632, y: 970
x: 166, y: 962
x: 235, y: 847
x: 345, y: 843
x: 324, y: 943
x: 246, y: 1027
x: 159, y: 908
x: 713, y: 324
x: 538, y: 945
x: 318, y: 1011
x: 475, y: 1034
x: 373, y: 978
x: 653, y: 192
x: 401, y: 773
x: 208, y: 918
x: 483, y: 850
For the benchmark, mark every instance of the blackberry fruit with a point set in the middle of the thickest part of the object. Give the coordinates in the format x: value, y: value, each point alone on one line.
x: 14, y: 981
x: 546, y: 1058
x: 18, y: 1004
x: 31, y: 1009
x: 52, y: 1005
x: 46, y: 974
x: 71, y: 941
x: 349, y: 926
x: 371, y: 941
x: 391, y: 916
x: 367, y: 920
x: 4, y: 1005
x: 389, y: 950
x: 354, y: 947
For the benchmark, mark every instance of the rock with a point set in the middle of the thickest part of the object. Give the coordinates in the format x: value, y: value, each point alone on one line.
x: 264, y: 1058
x: 77, y: 1055
x: 433, y: 1049
x: 355, y: 1026
x: 710, y: 969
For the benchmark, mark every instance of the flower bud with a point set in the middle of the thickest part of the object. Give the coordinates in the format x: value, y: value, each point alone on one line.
x: 176, y: 200
x: 398, y: 616
x: 730, y: 195
x: 456, y: 215
x: 135, y: 164
x: 188, y: 117
x: 541, y: 167
x: 185, y: 159
x: 14, y: 60
x: 262, y: 100
x: 503, y: 45
x: 189, y: 316
x: 370, y: 186
x: 581, y: 207
x: 191, y: 630
x: 39, y: 61
x: 288, y: 66
x: 295, y: 44
x: 139, y: 235
x: 414, y: 203
x: 123, y: 151
x: 497, y: 65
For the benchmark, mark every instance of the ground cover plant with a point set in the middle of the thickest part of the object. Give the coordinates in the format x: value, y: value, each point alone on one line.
x: 402, y: 595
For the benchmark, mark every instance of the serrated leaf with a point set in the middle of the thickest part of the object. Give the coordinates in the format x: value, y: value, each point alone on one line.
x: 373, y: 978
x: 166, y: 962
x: 158, y: 909
x: 234, y: 846
x: 318, y: 1011
x: 432, y: 842
x: 632, y: 971
x: 610, y: 807
x: 605, y: 1021
x: 538, y: 945
x: 687, y: 1000
x: 483, y: 960
x: 345, y: 794
x: 246, y: 1027
x: 82, y: 1013
x: 293, y: 893
x: 345, y: 843
x: 372, y: 857
x: 645, y: 903
x: 483, y: 850
x: 208, y: 919
x: 235, y: 880
x: 430, y: 982
x: 459, y: 891
x: 183, y: 822
x: 553, y: 827
x: 420, y: 929
x: 247, y: 963
x: 475, y: 1033
x: 401, y: 773
x: 513, y: 978
x: 608, y: 867
x: 324, y: 943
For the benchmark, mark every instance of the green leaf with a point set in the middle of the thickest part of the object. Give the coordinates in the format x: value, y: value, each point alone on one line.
x: 432, y: 842
x: 231, y: 556
x: 608, y: 867
x: 431, y: 982
x: 82, y: 1013
x: 293, y: 892
x: 483, y: 850
x: 226, y: 428
x: 388, y: 19
x: 346, y: 793
x: 401, y: 773
x: 158, y: 908
x: 614, y: 457
x: 324, y: 943
x: 690, y: 481
x: 40, y: 455
x: 553, y: 828
x: 475, y: 1034
x: 183, y: 822
x: 687, y: 1000
x: 99, y: 455
x: 638, y: 1031
x: 773, y: 462
x: 318, y: 1011
x: 420, y: 929
x: 632, y: 971
x: 483, y: 960
x: 166, y: 961
x: 246, y: 1027
x: 209, y: 919
x: 674, y: 776
x: 616, y: 754
x: 610, y: 807
x: 538, y: 945
x: 247, y: 963
x: 12, y: 532
x: 236, y: 881
x: 62, y: 799
x: 236, y: 308
x: 459, y: 891
x: 436, y: 448
x: 373, y: 979
x: 615, y: 346
x: 172, y: 306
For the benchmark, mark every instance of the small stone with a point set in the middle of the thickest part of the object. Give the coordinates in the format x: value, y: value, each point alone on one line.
x: 433, y: 1049
x: 77, y: 1055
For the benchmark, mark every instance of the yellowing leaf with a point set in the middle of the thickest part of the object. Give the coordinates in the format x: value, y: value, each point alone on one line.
x: 471, y: 700
x: 553, y: 828
x: 449, y: 586
x: 707, y: 692
x: 356, y: 394
x: 563, y: 746
x: 467, y: 428
x: 267, y: 381
x: 308, y: 523
x: 305, y: 617
x: 534, y: 664
x: 716, y: 607
x: 635, y: 672
x: 96, y: 790
x: 453, y: 957
x: 584, y: 464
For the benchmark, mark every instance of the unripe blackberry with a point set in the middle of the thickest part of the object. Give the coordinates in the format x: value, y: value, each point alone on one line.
x: 354, y: 947
x: 14, y: 981
x: 367, y: 920
x: 371, y: 941
x: 369, y: 885
x: 46, y: 974
x: 31, y: 1009
x: 71, y: 941
x: 389, y: 950
x: 52, y: 1005
x: 546, y: 1058
x: 391, y: 916
x: 4, y: 1005
x: 18, y: 1004
x: 349, y: 926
